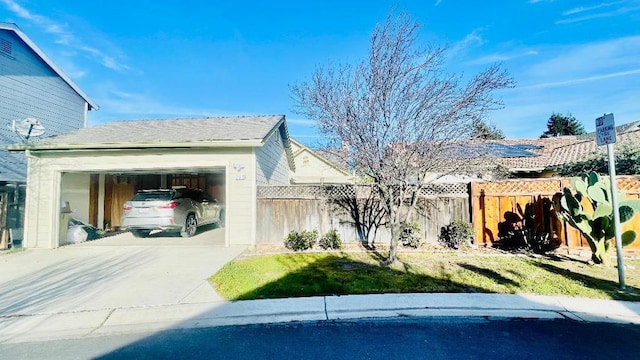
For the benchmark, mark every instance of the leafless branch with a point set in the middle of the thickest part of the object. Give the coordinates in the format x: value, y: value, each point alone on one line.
x: 401, y: 114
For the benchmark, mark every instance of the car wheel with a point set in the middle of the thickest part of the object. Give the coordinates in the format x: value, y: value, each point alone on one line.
x: 221, y: 219
x: 141, y: 233
x: 190, y: 226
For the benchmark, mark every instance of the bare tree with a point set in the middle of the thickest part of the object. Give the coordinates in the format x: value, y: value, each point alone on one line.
x: 400, y: 114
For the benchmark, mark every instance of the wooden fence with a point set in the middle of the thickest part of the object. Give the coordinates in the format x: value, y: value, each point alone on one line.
x: 499, y: 205
x: 494, y: 208
x: 11, y: 213
x: 281, y: 209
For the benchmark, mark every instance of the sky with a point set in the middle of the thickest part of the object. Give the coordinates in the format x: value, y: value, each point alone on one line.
x: 155, y: 59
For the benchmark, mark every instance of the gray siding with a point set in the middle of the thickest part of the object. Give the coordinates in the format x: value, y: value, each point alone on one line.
x: 271, y: 161
x: 29, y: 88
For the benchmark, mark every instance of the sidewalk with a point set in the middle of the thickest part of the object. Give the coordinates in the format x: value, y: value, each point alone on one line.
x: 43, y: 327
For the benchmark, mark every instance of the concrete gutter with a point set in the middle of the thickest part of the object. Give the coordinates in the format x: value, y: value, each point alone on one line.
x: 44, y: 327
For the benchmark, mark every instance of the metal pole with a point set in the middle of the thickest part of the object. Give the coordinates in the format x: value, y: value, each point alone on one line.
x: 616, y: 214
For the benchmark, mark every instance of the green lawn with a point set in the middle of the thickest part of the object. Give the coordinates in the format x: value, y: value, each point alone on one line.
x: 311, y: 274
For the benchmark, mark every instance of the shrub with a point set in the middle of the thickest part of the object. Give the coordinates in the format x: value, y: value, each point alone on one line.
x: 456, y: 234
x: 410, y: 236
x: 331, y: 240
x: 300, y: 241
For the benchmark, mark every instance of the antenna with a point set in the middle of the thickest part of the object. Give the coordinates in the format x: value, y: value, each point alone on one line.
x: 27, y: 128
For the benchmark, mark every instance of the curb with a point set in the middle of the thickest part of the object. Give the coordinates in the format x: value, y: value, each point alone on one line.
x: 47, y: 327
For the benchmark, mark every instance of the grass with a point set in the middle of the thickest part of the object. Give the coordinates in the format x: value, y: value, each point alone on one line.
x: 337, y: 273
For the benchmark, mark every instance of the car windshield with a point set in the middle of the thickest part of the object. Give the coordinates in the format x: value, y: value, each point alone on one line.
x: 152, y: 196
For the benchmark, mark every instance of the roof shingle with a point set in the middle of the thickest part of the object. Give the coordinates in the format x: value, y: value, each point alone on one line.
x: 194, y: 130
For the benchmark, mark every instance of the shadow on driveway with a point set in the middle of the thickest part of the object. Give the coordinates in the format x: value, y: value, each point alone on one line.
x: 67, y: 284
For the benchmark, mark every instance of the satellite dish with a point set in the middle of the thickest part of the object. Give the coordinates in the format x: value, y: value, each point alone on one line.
x: 28, y: 128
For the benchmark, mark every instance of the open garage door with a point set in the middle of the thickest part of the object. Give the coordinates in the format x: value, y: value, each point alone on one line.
x: 98, y: 199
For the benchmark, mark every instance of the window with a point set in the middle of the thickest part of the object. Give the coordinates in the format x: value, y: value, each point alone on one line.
x: 151, y: 196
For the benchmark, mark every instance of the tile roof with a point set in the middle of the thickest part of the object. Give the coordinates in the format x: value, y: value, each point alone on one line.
x: 196, y: 130
x: 629, y: 127
x: 586, y: 149
x: 541, y: 148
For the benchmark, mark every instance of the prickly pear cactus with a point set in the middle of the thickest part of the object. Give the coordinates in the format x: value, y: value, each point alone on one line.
x: 596, y: 223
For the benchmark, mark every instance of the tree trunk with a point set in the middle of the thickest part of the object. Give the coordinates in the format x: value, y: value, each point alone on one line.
x: 393, y: 247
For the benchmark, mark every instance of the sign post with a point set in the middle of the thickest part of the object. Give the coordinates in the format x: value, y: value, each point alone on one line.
x: 606, y: 135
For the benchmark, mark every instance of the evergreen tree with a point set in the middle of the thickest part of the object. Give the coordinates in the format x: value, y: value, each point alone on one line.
x: 559, y: 125
x: 484, y: 131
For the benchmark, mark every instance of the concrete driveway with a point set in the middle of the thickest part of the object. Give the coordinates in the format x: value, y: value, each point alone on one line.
x: 115, y: 272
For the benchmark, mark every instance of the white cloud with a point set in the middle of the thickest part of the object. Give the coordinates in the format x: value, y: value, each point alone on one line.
x: 113, y: 64
x: 501, y: 57
x: 65, y: 37
x: 116, y: 104
x: 582, y: 9
x: 582, y: 80
x: 579, y: 61
x: 585, y: 13
x: 471, y: 40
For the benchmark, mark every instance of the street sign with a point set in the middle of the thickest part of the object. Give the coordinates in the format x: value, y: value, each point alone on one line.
x: 606, y: 135
x: 605, y: 130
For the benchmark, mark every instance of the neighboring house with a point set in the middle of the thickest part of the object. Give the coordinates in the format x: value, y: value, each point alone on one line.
x: 529, y: 158
x: 31, y: 86
x: 492, y: 159
x: 540, y: 158
x: 96, y: 169
x: 315, y: 166
x: 588, y: 148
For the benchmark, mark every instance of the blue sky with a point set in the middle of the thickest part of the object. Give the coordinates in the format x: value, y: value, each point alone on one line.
x: 149, y: 59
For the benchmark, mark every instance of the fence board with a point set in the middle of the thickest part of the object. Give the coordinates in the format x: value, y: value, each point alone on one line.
x: 492, y: 200
x: 283, y: 209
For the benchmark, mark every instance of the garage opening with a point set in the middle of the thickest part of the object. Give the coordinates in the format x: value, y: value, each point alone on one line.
x: 98, y: 200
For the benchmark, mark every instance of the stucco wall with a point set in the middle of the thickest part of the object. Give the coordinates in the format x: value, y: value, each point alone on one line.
x: 272, y: 165
x: 44, y: 185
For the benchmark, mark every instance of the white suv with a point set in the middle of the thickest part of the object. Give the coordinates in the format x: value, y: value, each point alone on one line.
x: 178, y: 209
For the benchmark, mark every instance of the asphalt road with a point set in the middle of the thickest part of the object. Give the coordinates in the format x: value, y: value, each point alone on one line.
x: 426, y: 338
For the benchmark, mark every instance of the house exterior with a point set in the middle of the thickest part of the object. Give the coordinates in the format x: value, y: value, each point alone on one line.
x: 587, y: 148
x: 31, y: 86
x: 533, y: 157
x: 316, y: 167
x: 94, y: 170
x: 547, y: 154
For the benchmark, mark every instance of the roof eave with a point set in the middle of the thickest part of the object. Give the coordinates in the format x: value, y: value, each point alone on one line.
x: 128, y: 146
x: 286, y: 140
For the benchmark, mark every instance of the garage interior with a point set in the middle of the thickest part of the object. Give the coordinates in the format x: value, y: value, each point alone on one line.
x: 97, y: 199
